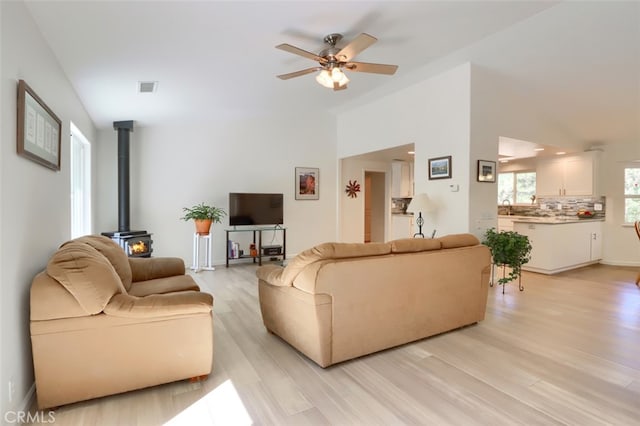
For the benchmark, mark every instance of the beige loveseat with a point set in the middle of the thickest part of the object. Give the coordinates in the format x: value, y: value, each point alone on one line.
x: 339, y: 301
x: 103, y: 323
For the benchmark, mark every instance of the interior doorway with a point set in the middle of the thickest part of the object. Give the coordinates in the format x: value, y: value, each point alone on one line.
x: 374, y: 206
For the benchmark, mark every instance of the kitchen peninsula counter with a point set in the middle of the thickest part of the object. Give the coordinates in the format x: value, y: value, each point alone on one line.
x: 560, y: 244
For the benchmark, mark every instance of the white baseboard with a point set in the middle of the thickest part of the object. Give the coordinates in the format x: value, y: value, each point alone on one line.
x: 619, y: 263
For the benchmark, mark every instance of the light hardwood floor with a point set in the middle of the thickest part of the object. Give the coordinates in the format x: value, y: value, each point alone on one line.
x: 564, y: 351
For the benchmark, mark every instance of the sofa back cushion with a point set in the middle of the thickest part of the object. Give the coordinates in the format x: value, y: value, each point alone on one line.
x: 413, y: 245
x: 113, y: 252
x: 458, y: 240
x: 86, y: 274
x: 331, y: 251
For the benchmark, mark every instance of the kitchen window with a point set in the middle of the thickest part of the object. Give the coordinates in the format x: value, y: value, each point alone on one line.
x: 516, y: 187
x: 631, y: 194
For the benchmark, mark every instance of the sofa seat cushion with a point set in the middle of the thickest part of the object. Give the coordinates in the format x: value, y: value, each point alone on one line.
x: 331, y: 251
x: 163, y: 285
x: 112, y: 251
x: 86, y: 274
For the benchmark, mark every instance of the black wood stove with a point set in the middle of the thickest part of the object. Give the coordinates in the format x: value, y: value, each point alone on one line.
x: 134, y: 243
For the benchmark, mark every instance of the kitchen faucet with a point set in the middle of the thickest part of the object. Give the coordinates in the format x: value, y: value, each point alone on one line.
x: 507, y: 203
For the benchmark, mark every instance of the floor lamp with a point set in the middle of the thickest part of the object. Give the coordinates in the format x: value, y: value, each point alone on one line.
x: 420, y: 203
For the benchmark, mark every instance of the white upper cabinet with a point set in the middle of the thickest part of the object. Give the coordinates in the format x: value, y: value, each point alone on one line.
x: 401, y: 179
x: 571, y: 176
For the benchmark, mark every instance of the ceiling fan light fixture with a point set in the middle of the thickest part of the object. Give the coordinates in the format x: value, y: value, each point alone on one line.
x: 324, y: 79
x: 329, y: 78
x: 339, y: 77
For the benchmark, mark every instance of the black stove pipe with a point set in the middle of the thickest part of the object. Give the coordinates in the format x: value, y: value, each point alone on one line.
x: 123, y: 128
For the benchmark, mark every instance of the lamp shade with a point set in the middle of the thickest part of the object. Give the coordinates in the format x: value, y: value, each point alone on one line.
x: 328, y: 78
x: 421, y: 203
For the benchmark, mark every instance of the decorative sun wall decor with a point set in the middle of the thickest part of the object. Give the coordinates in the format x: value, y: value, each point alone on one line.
x: 352, y: 189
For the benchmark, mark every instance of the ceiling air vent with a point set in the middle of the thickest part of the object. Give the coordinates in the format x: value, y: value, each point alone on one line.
x: 147, y: 86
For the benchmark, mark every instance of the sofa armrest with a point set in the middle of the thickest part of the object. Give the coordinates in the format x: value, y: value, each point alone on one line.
x: 143, y: 269
x: 272, y: 274
x: 159, y: 305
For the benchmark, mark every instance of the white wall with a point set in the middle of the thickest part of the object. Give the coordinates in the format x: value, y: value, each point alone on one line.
x: 435, y: 116
x: 351, y: 210
x: 35, y: 205
x: 182, y: 164
x: 620, y: 242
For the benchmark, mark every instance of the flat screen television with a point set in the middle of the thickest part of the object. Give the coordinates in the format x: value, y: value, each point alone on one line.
x: 255, y: 209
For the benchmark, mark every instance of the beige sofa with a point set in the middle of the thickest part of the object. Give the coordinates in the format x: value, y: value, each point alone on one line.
x: 103, y: 323
x: 338, y: 301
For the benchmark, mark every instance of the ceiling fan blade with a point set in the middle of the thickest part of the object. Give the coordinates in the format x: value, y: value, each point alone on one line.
x: 372, y: 68
x: 297, y: 51
x: 356, y: 46
x: 298, y: 73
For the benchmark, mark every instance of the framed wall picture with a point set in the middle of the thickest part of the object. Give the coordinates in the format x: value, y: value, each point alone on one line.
x: 39, y: 129
x: 307, y: 182
x: 440, y: 168
x: 486, y: 171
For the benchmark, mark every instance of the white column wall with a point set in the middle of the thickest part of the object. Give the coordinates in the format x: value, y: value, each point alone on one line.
x: 435, y: 116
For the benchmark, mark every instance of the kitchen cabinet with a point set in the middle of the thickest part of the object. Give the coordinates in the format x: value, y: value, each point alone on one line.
x: 505, y: 224
x: 558, y: 247
x: 401, y: 179
x: 401, y: 226
x: 574, y: 175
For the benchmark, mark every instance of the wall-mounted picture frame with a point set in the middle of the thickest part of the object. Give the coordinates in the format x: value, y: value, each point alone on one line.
x: 486, y: 171
x: 307, y: 183
x: 440, y: 168
x: 39, y: 129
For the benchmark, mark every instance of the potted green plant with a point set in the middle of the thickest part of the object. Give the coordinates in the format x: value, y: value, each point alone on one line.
x: 203, y: 215
x: 508, y: 249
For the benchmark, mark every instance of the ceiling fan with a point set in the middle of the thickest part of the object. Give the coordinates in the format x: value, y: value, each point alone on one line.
x: 333, y: 61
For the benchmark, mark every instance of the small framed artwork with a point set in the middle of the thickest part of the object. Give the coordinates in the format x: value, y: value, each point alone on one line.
x: 486, y: 171
x: 440, y: 168
x: 307, y: 181
x: 39, y: 129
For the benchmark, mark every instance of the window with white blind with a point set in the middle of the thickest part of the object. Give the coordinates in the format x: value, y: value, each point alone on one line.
x: 80, y: 184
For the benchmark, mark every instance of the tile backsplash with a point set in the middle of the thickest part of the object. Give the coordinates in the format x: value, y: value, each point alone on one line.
x: 558, y: 207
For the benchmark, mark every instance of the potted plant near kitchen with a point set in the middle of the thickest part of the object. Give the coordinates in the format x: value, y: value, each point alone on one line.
x: 508, y: 249
x: 203, y: 215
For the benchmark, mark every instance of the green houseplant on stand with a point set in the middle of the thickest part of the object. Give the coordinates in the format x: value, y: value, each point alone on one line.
x: 203, y: 215
x: 508, y: 249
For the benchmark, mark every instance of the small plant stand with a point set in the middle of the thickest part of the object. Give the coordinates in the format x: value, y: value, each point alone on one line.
x: 493, y: 268
x: 197, y: 240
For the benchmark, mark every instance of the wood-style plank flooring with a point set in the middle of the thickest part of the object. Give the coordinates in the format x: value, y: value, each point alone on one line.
x: 564, y: 351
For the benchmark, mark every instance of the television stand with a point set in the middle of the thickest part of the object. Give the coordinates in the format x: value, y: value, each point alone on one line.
x: 268, y: 251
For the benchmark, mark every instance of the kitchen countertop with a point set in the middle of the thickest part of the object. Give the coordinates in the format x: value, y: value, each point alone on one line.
x: 548, y: 220
x: 401, y: 214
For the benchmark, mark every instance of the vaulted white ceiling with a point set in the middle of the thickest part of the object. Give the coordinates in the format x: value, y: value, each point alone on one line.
x: 578, y: 62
